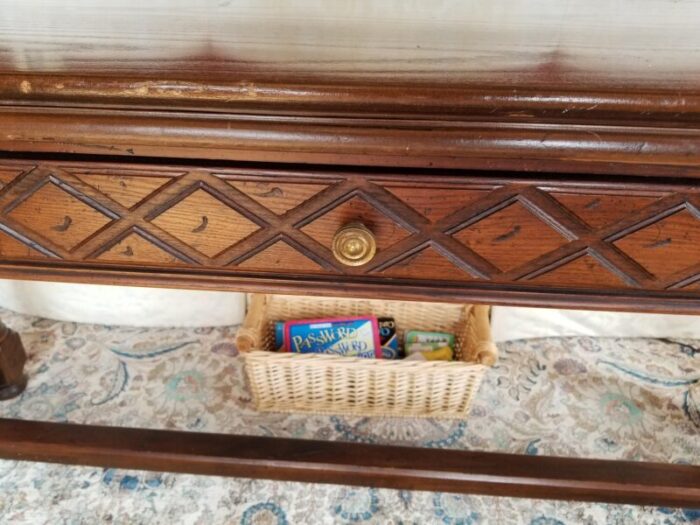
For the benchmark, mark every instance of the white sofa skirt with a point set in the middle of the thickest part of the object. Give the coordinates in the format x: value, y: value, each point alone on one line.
x: 119, y: 305
x: 524, y: 323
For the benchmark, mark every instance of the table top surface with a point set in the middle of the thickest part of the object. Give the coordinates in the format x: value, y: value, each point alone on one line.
x: 588, y: 87
x: 648, y: 44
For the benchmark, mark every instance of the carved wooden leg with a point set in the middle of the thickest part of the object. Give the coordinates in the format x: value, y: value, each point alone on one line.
x: 12, y: 359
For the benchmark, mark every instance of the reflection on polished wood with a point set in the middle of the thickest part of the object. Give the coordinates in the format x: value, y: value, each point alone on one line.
x: 653, y: 43
x: 587, y: 87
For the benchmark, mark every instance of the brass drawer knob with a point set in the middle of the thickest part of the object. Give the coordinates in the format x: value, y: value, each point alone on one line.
x: 354, y: 244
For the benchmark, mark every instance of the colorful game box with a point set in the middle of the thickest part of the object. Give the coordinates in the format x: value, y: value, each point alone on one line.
x: 347, y: 336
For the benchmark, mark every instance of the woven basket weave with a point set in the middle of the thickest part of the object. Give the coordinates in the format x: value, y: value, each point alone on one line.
x: 317, y: 383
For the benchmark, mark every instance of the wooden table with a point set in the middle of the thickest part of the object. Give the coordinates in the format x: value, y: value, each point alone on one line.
x: 546, y: 157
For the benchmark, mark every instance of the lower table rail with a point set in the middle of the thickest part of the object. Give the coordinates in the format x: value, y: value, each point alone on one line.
x: 394, y: 467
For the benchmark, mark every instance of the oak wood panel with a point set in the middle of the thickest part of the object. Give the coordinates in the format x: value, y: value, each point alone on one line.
x: 58, y: 216
x: 585, y: 271
x: 205, y: 223
x: 511, y: 237
x: 11, y: 248
x: 280, y: 197
x: 7, y: 175
x: 599, y: 210
x: 666, y: 246
x: 280, y: 257
x: 434, y: 203
x: 136, y: 248
x: 126, y: 190
x: 693, y: 287
x: 489, y: 234
x: 428, y: 261
x: 353, y: 463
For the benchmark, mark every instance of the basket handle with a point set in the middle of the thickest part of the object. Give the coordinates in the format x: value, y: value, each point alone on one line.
x: 485, y: 350
x: 250, y: 333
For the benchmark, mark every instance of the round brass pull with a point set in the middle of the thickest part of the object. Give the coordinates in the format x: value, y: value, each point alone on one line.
x: 354, y: 244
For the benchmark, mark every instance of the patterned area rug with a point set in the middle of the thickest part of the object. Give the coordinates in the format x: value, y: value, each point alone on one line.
x: 608, y: 398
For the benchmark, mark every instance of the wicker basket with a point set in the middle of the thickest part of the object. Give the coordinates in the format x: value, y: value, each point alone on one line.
x: 316, y: 383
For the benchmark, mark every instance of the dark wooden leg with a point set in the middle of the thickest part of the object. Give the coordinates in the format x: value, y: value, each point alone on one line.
x: 12, y: 359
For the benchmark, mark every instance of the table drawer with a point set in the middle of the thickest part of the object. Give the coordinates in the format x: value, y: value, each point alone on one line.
x: 448, y: 231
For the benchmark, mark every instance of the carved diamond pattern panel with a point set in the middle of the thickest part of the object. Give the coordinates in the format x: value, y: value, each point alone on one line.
x: 11, y: 247
x: 385, y: 230
x: 58, y: 216
x: 667, y: 246
x: 584, y: 271
x: 279, y: 257
x: 278, y: 197
x: 205, y: 223
x: 438, y: 229
x: 510, y: 237
x: 7, y: 175
x: 693, y: 287
x: 127, y: 191
x: 134, y: 248
x: 427, y: 262
x: 436, y: 203
x: 601, y: 210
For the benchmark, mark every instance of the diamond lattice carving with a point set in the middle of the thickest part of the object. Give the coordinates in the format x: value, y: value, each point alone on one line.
x: 58, y: 216
x: 279, y: 257
x: 385, y: 230
x: 583, y: 271
x: 172, y: 218
x: 127, y: 191
x: 427, y: 262
x: 11, y: 247
x: 7, y: 175
x: 694, y: 287
x: 436, y: 203
x: 278, y: 197
x: 510, y: 237
x: 134, y: 248
x: 205, y: 223
x: 667, y: 246
x: 601, y: 210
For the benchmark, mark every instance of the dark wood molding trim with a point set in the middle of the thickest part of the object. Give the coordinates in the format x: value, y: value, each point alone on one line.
x: 308, y: 96
x: 354, y: 464
x: 488, y: 128
x: 495, y: 294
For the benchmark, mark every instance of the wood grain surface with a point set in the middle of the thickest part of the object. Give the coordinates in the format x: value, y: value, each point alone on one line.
x: 487, y: 234
x: 538, y: 153
x: 352, y: 463
x: 598, y: 87
x: 579, y: 44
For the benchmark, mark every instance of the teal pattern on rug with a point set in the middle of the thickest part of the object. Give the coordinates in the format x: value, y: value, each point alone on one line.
x: 635, y: 399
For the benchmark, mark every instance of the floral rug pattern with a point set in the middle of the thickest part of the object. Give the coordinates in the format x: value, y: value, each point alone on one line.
x: 635, y: 399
